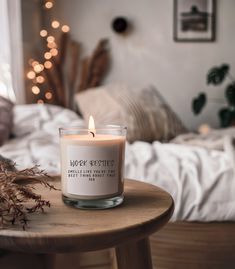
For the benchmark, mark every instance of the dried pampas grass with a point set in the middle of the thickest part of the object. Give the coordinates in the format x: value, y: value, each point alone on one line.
x: 17, y: 196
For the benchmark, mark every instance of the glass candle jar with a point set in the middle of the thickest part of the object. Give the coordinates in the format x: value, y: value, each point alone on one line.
x: 92, y: 163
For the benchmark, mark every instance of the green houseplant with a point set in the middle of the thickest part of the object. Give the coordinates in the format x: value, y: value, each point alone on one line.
x: 217, y: 76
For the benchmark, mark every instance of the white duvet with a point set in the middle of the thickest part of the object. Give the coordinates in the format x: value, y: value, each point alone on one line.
x: 200, y: 179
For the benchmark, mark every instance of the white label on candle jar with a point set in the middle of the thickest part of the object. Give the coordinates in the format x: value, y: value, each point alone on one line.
x: 92, y: 170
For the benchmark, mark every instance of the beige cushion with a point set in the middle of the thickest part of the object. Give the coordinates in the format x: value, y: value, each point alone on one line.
x: 144, y: 112
x: 6, y: 119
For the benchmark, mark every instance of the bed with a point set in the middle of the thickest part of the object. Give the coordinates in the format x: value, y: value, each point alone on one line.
x: 198, y: 171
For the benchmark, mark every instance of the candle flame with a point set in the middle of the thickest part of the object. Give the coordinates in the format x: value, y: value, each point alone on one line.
x: 91, y: 125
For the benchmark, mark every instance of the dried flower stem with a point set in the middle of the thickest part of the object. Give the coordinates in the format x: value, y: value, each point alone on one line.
x: 17, y: 190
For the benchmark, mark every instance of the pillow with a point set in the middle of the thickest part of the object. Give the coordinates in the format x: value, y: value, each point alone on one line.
x: 6, y: 119
x: 144, y: 112
x: 32, y: 118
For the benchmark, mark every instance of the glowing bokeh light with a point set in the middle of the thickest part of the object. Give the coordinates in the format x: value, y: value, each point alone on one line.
x: 35, y: 90
x: 31, y: 75
x: 48, y: 95
x: 54, y: 52
x: 40, y: 79
x: 55, y: 24
x: 51, y: 45
x: 48, y: 5
x: 47, y: 64
x: 50, y: 38
x: 40, y: 101
x: 38, y: 68
x: 34, y: 63
x: 47, y: 55
x: 65, y: 28
x: 43, y: 33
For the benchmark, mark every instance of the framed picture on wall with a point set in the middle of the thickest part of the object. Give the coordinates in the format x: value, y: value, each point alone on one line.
x: 194, y: 20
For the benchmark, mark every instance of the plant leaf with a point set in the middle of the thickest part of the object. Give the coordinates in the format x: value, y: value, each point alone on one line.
x: 198, y: 103
x: 217, y: 74
x: 230, y: 94
x: 226, y: 117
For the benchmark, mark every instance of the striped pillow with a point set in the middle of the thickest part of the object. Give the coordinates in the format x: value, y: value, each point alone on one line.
x: 145, y: 113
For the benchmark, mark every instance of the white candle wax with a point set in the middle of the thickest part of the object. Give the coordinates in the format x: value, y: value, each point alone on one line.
x: 92, y: 167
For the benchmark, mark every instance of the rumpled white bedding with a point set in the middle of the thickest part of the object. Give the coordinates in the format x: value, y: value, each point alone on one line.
x: 200, y: 179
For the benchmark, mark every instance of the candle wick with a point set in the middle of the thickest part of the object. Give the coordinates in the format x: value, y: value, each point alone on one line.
x: 93, y: 134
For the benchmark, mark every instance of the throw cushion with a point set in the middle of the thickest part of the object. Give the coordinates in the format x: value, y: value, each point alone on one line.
x: 6, y: 119
x: 144, y: 112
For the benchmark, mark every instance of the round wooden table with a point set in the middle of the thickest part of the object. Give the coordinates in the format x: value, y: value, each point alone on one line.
x: 61, y: 229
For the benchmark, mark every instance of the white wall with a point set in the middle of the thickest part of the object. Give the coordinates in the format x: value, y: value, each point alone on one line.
x: 149, y: 55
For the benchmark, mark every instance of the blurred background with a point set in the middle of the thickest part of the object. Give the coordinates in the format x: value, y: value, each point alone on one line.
x: 148, y: 50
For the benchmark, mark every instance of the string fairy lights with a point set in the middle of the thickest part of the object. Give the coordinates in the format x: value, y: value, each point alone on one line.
x: 43, y: 33
x: 55, y: 24
x: 47, y: 64
x: 65, y: 28
x: 40, y: 101
x: 38, y: 68
x: 35, y: 90
x: 47, y: 55
x: 48, y: 95
x: 40, y: 79
x: 36, y: 74
x: 50, y: 39
x: 54, y: 52
x: 51, y: 45
x: 31, y: 75
x: 48, y: 4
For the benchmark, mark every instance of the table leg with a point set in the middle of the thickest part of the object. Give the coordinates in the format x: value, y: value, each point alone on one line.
x: 136, y: 255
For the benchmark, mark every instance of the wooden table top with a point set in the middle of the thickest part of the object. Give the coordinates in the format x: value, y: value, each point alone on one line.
x: 146, y: 209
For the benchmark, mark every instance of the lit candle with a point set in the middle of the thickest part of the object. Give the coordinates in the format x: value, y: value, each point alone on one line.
x: 92, y: 162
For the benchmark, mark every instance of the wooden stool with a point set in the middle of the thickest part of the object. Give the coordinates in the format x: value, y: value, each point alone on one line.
x: 126, y: 228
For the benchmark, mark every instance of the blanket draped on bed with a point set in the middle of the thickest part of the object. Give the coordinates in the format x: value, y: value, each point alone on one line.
x: 198, y: 171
